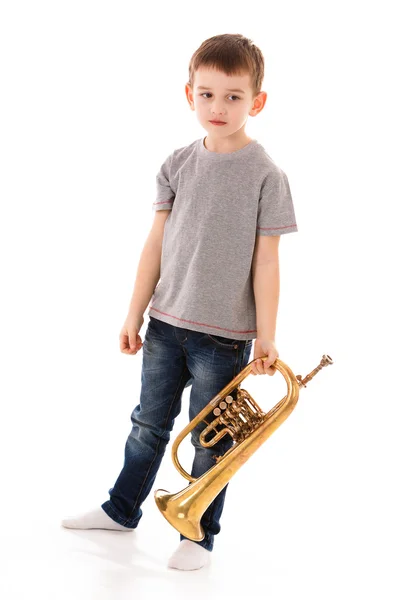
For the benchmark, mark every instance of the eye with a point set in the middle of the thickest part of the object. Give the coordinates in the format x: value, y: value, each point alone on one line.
x: 231, y: 96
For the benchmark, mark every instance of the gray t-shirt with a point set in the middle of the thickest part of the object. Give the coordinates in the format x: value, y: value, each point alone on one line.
x: 219, y: 202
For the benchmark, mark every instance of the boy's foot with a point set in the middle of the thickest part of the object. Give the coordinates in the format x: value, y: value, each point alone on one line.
x: 189, y: 556
x: 95, y: 519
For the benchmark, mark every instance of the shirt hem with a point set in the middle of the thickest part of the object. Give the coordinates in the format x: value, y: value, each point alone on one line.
x: 276, y: 230
x: 202, y: 327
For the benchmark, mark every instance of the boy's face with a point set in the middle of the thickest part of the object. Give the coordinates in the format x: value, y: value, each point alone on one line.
x: 212, y: 99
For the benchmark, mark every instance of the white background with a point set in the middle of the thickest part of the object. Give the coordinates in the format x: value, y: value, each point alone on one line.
x: 92, y: 102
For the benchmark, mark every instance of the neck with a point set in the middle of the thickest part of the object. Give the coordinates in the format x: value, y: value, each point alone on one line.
x: 230, y: 143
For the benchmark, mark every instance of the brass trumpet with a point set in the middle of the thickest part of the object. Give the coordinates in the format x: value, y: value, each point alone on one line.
x: 248, y: 426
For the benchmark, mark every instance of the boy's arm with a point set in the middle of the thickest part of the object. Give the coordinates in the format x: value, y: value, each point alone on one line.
x: 265, y: 271
x: 148, y: 271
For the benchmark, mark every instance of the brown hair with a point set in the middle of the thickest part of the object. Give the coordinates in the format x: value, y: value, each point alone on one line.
x: 232, y: 53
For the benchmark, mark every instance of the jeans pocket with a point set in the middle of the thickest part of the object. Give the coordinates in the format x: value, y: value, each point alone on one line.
x: 155, y: 331
x: 156, y: 326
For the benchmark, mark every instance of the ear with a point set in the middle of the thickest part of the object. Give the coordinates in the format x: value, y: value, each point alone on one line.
x: 258, y: 104
x: 189, y: 95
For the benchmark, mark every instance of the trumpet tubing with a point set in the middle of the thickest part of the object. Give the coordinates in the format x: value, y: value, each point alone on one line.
x: 249, y: 427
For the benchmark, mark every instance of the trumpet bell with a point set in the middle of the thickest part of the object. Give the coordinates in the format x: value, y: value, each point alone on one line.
x: 186, y: 523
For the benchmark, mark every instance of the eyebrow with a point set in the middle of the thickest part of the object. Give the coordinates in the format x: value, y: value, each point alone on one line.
x: 201, y: 87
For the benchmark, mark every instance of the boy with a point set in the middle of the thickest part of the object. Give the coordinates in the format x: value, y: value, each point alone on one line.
x: 221, y: 206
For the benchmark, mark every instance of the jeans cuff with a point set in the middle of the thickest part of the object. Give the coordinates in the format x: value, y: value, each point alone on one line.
x: 111, y: 512
x: 206, y: 543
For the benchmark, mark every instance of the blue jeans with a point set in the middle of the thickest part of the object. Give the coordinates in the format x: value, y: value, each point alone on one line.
x: 174, y: 358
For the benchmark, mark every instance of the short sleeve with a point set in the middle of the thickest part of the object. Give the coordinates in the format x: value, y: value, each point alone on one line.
x: 164, y: 193
x: 275, y: 207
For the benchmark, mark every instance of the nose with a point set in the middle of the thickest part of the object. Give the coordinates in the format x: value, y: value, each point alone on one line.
x: 217, y: 110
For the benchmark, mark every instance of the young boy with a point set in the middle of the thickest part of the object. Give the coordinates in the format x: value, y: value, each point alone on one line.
x: 210, y: 270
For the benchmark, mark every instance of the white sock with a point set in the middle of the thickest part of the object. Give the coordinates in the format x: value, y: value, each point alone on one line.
x: 95, y: 519
x: 189, y: 556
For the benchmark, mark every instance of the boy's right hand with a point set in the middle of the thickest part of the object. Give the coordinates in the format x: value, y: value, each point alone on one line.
x: 130, y: 341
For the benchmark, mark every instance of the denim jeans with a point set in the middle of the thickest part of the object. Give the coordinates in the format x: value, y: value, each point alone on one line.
x: 174, y: 358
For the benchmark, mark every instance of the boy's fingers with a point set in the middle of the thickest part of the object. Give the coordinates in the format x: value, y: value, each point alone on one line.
x: 132, y: 340
x: 136, y: 342
x: 262, y: 367
x: 256, y: 367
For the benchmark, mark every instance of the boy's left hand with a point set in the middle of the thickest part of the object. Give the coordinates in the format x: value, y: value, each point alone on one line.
x: 264, y: 348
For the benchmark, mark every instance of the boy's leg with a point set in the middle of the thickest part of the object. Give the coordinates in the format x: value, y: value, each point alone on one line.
x: 164, y: 376
x: 214, y: 361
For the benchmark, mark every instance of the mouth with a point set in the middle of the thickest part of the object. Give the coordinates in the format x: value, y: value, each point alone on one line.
x: 218, y: 122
